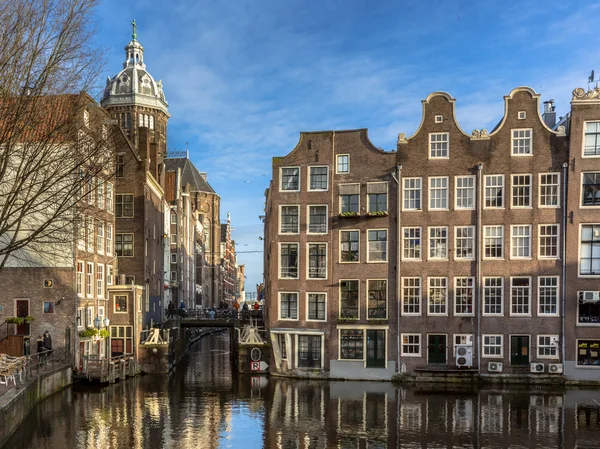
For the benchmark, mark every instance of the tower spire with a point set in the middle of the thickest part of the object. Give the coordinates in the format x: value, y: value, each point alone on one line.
x: 134, y: 34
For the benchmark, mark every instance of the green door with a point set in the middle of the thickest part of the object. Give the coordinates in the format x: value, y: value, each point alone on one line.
x: 375, y: 349
x: 519, y: 350
x: 436, y: 349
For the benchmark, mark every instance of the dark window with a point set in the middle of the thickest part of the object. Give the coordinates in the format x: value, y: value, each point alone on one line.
x: 120, y: 165
x: 377, y: 290
x: 289, y: 260
x: 289, y: 219
x: 316, y: 306
x: 588, y: 352
x: 288, y: 307
x: 591, y: 189
x: 124, y: 245
x: 318, y: 178
x: 351, y: 344
x: 120, y: 303
x: 589, y: 307
x: 350, y: 203
x: 378, y: 202
x: 317, y: 261
x: 317, y: 219
x: 349, y: 243
x: 589, y: 261
x: 349, y: 299
x: 309, y: 351
x: 290, y: 178
x: 592, y: 139
x: 124, y: 206
x: 282, y: 346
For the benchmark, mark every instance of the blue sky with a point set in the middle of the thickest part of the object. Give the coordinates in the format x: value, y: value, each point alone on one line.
x: 243, y: 78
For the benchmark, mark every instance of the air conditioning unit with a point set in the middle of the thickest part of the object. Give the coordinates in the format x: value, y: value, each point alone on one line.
x: 464, y: 356
x: 537, y: 368
x: 555, y: 368
x: 591, y: 296
x: 495, y: 367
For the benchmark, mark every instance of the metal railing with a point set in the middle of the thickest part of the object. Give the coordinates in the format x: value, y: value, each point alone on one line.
x: 19, y: 370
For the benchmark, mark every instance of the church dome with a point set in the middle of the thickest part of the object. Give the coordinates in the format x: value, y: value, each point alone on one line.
x: 133, y: 84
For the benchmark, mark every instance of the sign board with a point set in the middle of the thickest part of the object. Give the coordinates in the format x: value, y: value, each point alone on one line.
x: 258, y: 366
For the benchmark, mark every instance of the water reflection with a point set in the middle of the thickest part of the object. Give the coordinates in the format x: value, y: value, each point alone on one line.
x: 202, y: 405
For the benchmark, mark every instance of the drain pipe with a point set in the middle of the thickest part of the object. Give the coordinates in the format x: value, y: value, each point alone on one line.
x: 479, y: 232
x: 564, y: 265
x: 397, y: 177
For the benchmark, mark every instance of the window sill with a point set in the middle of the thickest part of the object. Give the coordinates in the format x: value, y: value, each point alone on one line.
x: 349, y: 215
x: 377, y: 214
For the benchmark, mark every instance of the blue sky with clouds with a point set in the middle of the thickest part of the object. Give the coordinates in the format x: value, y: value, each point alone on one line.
x: 243, y: 78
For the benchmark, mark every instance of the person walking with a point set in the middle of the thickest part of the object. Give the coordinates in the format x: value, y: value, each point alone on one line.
x: 47, y: 341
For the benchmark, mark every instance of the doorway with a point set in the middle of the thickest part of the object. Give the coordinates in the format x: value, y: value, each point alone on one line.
x: 519, y: 350
x: 376, y: 349
x: 436, y: 349
x: 22, y: 307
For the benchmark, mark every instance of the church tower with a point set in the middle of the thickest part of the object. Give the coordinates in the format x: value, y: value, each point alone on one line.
x: 136, y: 100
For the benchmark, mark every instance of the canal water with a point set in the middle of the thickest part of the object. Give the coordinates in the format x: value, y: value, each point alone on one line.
x: 204, y: 405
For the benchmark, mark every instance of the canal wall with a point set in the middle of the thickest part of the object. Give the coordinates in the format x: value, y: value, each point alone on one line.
x: 17, y: 402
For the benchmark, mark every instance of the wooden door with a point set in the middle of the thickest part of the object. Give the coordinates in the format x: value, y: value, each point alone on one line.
x: 22, y: 307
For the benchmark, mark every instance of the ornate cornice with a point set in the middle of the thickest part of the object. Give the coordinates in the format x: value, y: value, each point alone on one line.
x: 581, y: 94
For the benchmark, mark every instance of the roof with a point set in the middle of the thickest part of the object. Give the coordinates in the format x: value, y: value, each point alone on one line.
x: 189, y: 174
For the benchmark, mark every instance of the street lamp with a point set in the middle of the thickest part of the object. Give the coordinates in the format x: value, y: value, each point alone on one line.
x: 104, y: 322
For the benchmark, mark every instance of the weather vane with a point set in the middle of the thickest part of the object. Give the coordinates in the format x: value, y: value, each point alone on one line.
x: 134, y: 35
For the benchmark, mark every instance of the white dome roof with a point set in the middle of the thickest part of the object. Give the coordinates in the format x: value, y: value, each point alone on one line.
x: 133, y: 84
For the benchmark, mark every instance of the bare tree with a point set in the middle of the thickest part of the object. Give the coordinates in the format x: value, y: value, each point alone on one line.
x: 55, y: 142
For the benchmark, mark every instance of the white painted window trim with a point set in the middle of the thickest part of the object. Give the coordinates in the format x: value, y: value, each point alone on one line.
x: 410, y: 354
x: 387, y: 296
x: 483, y: 345
x: 420, y: 190
x: 279, y: 310
x: 503, y: 186
x: 512, y: 185
x: 340, y: 298
x: 473, y: 298
x: 429, y: 279
x: 512, y: 139
x: 280, y: 219
x: 308, y: 244
x: 503, y: 240
x: 512, y: 228
x: 337, y: 165
x: 420, y: 296
x: 447, y: 189
x: 387, y: 244
x: 503, y: 296
x: 308, y: 206
x: 456, y: 257
x: 539, y: 281
x: 558, y: 191
x: 340, y: 246
x: 539, y: 242
x: 456, y: 178
x: 583, y: 128
x: 408, y: 259
x: 553, y: 338
x: 510, y: 297
x: 281, y: 190
x: 308, y: 178
x: 429, y: 149
x: 279, y: 260
x: 429, y: 246
x: 307, y: 306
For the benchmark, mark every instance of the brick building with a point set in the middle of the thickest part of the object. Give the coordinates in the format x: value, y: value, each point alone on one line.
x: 457, y: 250
x: 229, y: 263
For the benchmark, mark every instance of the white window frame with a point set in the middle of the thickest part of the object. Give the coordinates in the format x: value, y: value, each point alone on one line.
x: 430, y: 246
x: 100, y: 280
x: 495, y: 345
x: 110, y: 200
x: 340, y: 246
x: 501, y: 237
x: 456, y: 287
x: 429, y: 287
x: 485, y: 296
x: 386, y: 298
x: 307, y: 311
x: 593, y: 243
x: 279, y: 310
x: 540, y: 236
x: 340, y: 309
x: 100, y: 193
x: 309, y: 177
x: 110, y: 274
x: 502, y: 188
x: 279, y: 260
x: 308, y: 231
x: 408, y: 336
x: 90, y: 234
x: 122, y: 203
x: 437, y: 146
x: 457, y: 256
x: 514, y: 138
x: 529, y: 186
x: 457, y: 181
x: 80, y: 279
x: 417, y: 181
x: 522, y: 115
x: 584, y: 129
x: 89, y: 316
x: 337, y: 163
x: 100, y: 237
x: 281, y: 189
x: 387, y: 238
x: 420, y: 238
x: 553, y: 343
x: 418, y: 289
x: 514, y: 249
x: 444, y: 190
x: 386, y: 197
x: 80, y: 318
x: 89, y: 280
x: 556, y: 295
x: 281, y: 231
x: 308, y: 276
x: 541, y: 186
x: 109, y: 239
x: 529, y: 302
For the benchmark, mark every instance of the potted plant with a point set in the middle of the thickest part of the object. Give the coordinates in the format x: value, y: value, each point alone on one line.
x: 378, y: 213
x: 88, y: 333
x: 14, y: 320
x: 349, y: 214
x: 104, y: 333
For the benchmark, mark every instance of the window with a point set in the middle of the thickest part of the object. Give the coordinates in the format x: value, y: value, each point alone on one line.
x: 343, y: 163
x: 89, y: 316
x: 376, y: 298
x: 588, y: 352
x: 520, y: 295
x: 90, y: 234
x: 521, y: 142
x: 309, y: 351
x: 109, y: 197
x: 521, y: 190
x: 173, y: 239
x: 377, y: 248
x: 493, y: 242
x: 289, y: 220
x: 80, y: 274
x: 317, y: 219
x: 493, y: 292
x: 439, y: 118
x: 288, y: 306
x: 589, y: 258
x: 463, y: 295
x: 438, y: 242
x: 317, y: 261
x: 548, y: 241
x: 589, y: 307
x: 89, y: 285
x: 411, y: 296
x: 438, y: 145
x: 100, y: 237
x: 120, y: 303
x: 438, y: 296
x: 465, y: 192
x: 349, y: 246
x: 81, y: 228
x: 317, y: 306
x: 492, y: 346
x: 522, y: 115
x: 90, y: 189
x: 590, y: 189
x: 521, y: 241
x: 548, y: 295
x: 109, y: 239
x: 318, y: 178
x: 494, y: 191
x: 438, y: 193
x: 124, y: 245
x: 173, y: 258
x: 411, y: 243
x: 120, y: 166
x: 350, y: 203
x: 110, y: 274
x: 48, y: 306
x: 124, y: 206
x: 549, y: 188
x: 100, y: 280
x: 173, y: 218
x: 282, y: 345
x: 288, y: 260
x: 411, y: 345
x: 412, y: 194
x: 290, y: 179
x: 349, y: 299
x: 100, y: 194
x: 591, y: 144
x: 351, y: 344
x: 547, y: 347
x: 465, y: 242
x: 377, y: 197
x: 79, y: 318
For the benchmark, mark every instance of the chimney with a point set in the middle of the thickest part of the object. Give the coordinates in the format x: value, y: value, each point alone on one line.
x: 203, y: 174
x: 549, y: 115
